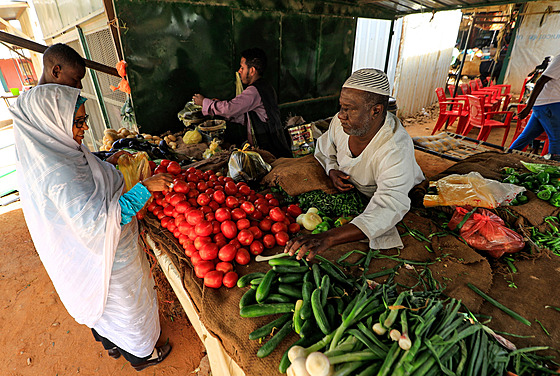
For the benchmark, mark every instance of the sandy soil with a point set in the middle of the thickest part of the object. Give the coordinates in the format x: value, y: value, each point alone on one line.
x: 40, y: 338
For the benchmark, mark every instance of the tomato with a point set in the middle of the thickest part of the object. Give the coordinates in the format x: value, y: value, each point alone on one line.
x: 245, y: 237
x: 160, y: 215
x: 269, y: 241
x: 230, y: 279
x: 257, y: 215
x: 184, y: 240
x: 216, y: 227
x: 230, y: 188
x: 193, y: 178
x: 160, y: 170
x: 294, y: 227
x: 195, y: 258
x: 182, y: 206
x: 200, y: 241
x: 222, y: 214
x: 191, y: 185
x: 192, y: 193
x: 168, y: 210
x: 243, y: 224
x: 174, y: 168
x: 266, y: 224
x: 229, y: 229
x: 263, y: 208
x: 224, y: 267
x: 220, y: 239
x: 185, y: 227
x: 214, y: 205
x: 203, y: 268
x: 171, y: 226
x: 256, y: 248
x: 164, y: 162
x: 237, y: 214
x: 273, y: 202
x: 206, y: 209
x: 248, y: 207
x: 213, y: 279
x: 152, y: 165
x: 227, y: 252
x: 201, y: 186
x: 282, y: 238
x: 165, y: 221
x: 180, y: 186
x: 242, y: 256
x: 244, y: 189
x: 189, y: 249
x: 210, y: 217
x: 192, y: 201
x: 294, y: 210
x: 260, y: 201
x: 219, y: 187
x: 209, y: 192
x: 235, y: 243
x: 276, y: 214
x: 257, y: 232
x: 232, y: 202
x: 269, y: 196
x: 209, y: 251
x: 219, y: 196
x: 203, y: 228
x: 279, y: 226
x: 194, y: 217
x: 203, y: 199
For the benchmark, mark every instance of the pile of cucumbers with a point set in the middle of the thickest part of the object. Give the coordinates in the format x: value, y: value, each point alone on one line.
x: 307, y: 296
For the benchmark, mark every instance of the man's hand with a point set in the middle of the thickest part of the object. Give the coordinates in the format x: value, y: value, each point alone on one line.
x: 339, y: 180
x: 523, y: 114
x: 157, y: 183
x: 312, y: 243
x: 197, y: 99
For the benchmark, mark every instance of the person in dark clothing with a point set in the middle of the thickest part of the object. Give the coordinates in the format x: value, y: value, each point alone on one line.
x: 256, y: 108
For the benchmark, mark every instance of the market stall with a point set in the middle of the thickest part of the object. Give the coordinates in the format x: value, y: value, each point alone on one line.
x: 432, y: 254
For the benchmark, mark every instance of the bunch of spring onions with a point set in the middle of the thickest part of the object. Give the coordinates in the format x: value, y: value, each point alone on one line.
x: 412, y: 333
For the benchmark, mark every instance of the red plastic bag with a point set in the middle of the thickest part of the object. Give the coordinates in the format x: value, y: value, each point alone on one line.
x: 486, y: 231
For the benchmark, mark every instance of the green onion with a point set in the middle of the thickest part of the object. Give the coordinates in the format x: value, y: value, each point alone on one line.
x: 497, y: 304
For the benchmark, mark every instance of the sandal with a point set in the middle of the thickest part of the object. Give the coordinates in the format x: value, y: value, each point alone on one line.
x: 162, y: 353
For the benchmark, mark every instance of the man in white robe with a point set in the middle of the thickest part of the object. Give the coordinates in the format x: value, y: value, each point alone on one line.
x: 366, y: 148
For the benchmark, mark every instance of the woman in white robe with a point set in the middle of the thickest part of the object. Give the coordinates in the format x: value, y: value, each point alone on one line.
x: 76, y: 214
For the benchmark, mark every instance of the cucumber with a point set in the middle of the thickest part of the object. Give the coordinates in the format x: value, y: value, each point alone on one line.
x: 265, y: 330
x: 318, y: 312
x: 325, y: 286
x: 316, y: 275
x: 290, y: 290
x: 247, y: 278
x: 335, y: 274
x: 298, y: 321
x: 256, y: 281
x: 269, y: 347
x: 257, y: 310
x: 306, y: 291
x: 291, y: 278
x: 290, y: 269
x: 283, y: 262
x: 308, y: 328
x: 308, y: 277
x: 278, y: 298
x: 248, y: 298
x: 331, y: 315
x: 264, y: 287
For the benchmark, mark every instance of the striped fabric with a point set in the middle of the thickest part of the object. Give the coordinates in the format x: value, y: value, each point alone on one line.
x: 369, y: 79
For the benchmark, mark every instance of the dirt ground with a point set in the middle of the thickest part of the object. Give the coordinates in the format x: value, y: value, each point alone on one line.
x: 40, y: 338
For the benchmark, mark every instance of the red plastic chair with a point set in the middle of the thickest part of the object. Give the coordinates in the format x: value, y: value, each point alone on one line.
x: 481, y: 119
x: 458, y: 110
x: 521, y: 123
x: 491, y: 102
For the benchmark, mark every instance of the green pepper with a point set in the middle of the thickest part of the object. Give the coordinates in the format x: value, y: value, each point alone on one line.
x: 321, y: 227
x: 525, y: 176
x: 511, y: 179
x: 514, y: 202
x: 509, y: 170
x: 528, y: 185
x: 555, y: 199
x: 522, y: 199
x: 549, y: 187
x: 545, y: 194
x: 543, y: 177
x: 555, y: 182
x: 342, y: 221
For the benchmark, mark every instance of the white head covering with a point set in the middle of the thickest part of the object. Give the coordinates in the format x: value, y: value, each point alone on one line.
x: 369, y: 79
x: 69, y: 199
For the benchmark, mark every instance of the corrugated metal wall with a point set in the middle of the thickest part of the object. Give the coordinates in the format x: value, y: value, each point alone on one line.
x: 425, y: 55
x: 533, y: 42
x: 370, y: 48
x: 55, y: 15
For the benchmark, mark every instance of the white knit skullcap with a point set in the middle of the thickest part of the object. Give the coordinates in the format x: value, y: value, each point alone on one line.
x: 369, y: 79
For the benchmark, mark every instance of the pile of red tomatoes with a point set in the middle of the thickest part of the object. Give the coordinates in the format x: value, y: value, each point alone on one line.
x: 220, y: 223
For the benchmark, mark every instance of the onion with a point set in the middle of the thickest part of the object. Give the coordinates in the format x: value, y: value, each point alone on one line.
x: 310, y: 221
x: 296, y: 352
x: 298, y: 368
x: 395, y: 334
x: 317, y: 364
x: 313, y: 210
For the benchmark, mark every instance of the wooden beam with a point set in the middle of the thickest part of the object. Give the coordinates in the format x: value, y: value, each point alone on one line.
x: 37, y: 47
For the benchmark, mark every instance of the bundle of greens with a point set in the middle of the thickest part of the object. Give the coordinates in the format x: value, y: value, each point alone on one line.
x: 335, y: 205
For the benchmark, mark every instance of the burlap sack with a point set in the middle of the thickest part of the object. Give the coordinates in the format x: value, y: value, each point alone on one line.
x: 299, y: 175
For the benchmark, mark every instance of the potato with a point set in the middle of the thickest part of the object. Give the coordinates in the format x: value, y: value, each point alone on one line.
x: 110, y: 131
x: 124, y: 132
x: 131, y: 136
x: 172, y: 138
x: 172, y: 144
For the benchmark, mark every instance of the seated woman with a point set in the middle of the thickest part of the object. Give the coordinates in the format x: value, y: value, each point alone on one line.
x: 83, y: 226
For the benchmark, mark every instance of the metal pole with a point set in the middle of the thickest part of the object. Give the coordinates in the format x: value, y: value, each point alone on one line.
x: 37, y: 47
x: 389, y: 46
x: 464, y: 57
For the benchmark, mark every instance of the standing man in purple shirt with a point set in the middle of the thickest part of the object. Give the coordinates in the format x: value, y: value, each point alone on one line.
x: 256, y: 108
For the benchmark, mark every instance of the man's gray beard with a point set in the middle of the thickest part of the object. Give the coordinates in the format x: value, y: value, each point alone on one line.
x: 358, y: 132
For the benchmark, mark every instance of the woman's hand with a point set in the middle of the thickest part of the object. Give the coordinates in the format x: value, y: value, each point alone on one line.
x: 158, y: 183
x: 339, y: 180
x: 197, y: 99
x: 113, y: 159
